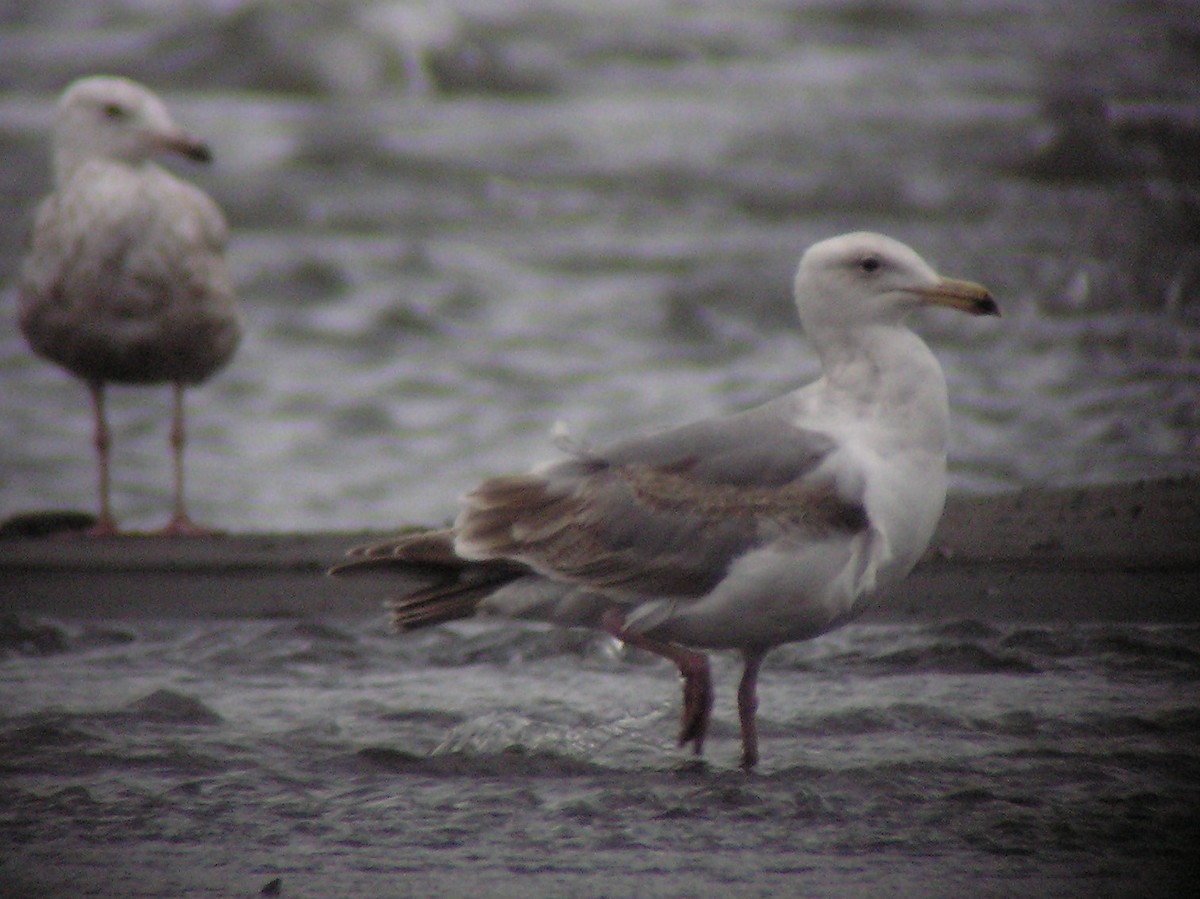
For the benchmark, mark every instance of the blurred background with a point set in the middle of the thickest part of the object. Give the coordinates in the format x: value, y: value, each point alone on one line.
x: 456, y: 223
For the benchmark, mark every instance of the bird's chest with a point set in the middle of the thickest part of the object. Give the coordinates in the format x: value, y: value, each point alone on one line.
x: 893, y: 455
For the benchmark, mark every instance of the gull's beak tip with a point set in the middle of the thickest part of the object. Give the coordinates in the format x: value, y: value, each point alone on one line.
x: 987, y: 306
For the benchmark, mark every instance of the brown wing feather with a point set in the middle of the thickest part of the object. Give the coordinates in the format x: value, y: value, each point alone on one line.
x: 432, y: 547
x: 459, y: 585
x: 655, y: 530
x: 665, y: 517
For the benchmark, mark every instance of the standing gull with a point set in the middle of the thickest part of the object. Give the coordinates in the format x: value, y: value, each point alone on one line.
x: 739, y: 532
x: 125, y: 279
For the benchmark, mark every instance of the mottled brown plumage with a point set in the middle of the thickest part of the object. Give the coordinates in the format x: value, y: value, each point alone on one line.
x: 125, y: 279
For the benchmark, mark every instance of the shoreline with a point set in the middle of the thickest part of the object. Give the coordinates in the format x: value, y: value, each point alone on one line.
x: 1120, y: 552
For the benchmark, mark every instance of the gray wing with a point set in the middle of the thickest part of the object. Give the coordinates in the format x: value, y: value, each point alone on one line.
x: 664, y: 515
x: 756, y: 448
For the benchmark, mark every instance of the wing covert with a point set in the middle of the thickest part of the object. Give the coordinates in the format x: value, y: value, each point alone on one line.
x: 665, y: 515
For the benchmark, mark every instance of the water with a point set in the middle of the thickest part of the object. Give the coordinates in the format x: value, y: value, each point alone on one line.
x: 194, y: 758
x: 453, y: 227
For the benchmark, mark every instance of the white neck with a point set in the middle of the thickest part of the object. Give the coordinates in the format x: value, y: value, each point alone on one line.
x: 886, y: 375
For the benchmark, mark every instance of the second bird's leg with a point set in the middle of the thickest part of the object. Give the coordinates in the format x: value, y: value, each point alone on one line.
x: 105, y: 525
x: 180, y: 524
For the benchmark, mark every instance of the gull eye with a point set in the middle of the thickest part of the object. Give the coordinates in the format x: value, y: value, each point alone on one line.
x: 114, y: 111
x: 870, y: 264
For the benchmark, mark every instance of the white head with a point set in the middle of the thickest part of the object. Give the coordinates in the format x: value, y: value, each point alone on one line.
x: 103, y: 117
x: 848, y: 282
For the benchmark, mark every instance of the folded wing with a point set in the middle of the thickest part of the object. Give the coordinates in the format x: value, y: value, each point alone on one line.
x: 666, y: 515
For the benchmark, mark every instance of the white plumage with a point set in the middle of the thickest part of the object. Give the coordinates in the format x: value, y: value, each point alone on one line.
x: 738, y: 532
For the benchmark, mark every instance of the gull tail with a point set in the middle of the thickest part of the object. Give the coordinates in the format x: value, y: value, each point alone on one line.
x: 458, y: 585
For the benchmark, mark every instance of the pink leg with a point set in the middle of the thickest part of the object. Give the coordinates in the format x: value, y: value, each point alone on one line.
x: 748, y: 708
x: 180, y: 524
x: 105, y: 525
x: 693, y: 668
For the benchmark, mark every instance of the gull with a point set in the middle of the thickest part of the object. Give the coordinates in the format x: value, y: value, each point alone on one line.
x: 125, y: 279
x: 739, y: 532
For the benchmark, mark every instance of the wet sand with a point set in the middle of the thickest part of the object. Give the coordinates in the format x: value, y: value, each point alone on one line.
x: 1125, y: 552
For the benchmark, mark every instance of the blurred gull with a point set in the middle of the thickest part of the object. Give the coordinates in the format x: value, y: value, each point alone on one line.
x: 1078, y: 142
x: 738, y: 532
x: 125, y: 279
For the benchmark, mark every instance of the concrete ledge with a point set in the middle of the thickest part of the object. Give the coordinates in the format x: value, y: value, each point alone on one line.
x: 1114, y: 552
